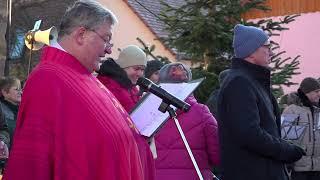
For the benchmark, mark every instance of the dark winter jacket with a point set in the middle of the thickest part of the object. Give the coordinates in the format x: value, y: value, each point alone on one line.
x: 4, y: 130
x: 212, y: 101
x: 213, y: 98
x: 10, y: 112
x: 249, y: 127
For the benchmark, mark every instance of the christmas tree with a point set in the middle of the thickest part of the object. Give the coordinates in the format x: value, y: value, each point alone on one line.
x: 203, y: 30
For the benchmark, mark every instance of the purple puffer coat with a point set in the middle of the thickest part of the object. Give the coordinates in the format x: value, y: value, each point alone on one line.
x: 201, y: 131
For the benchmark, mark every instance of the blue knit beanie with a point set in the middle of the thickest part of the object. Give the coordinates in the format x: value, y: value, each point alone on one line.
x: 247, y: 39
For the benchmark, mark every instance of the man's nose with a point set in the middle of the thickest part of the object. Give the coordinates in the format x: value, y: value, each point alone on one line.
x: 108, y: 49
x: 271, y: 53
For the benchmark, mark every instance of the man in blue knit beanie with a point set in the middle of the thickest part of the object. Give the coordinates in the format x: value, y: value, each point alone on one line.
x: 252, y: 44
x: 248, y: 114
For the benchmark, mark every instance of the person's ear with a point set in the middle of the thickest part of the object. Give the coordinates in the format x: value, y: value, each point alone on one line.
x: 4, y: 92
x: 80, y: 34
x: 250, y: 58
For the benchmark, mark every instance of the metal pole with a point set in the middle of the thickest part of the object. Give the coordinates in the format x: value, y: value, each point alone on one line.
x: 188, y: 148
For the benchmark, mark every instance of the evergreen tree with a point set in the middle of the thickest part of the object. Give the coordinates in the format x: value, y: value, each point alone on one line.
x: 203, y: 30
x: 282, y: 70
x: 149, y: 52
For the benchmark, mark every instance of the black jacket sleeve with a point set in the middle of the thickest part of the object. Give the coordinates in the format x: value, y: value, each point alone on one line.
x: 4, y: 132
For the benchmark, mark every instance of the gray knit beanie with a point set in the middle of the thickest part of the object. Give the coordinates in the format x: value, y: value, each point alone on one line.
x: 247, y: 39
x: 309, y: 84
x: 132, y: 55
x: 164, y: 73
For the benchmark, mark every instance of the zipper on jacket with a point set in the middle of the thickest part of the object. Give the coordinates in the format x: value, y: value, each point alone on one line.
x: 310, y: 128
x: 313, y: 134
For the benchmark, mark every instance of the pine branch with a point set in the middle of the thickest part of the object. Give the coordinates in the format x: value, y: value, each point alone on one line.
x: 203, y: 31
x: 149, y: 51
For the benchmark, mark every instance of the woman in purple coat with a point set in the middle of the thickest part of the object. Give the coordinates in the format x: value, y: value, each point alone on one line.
x: 201, y: 131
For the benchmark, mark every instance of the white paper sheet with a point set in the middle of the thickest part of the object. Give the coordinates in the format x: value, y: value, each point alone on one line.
x: 146, y: 116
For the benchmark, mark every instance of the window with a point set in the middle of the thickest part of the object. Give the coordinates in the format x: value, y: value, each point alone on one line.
x: 17, y: 45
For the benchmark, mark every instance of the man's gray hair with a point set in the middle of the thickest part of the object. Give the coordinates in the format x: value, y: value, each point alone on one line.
x: 85, y: 13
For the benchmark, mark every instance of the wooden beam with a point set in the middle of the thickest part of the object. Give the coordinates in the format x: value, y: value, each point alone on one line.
x: 285, y: 7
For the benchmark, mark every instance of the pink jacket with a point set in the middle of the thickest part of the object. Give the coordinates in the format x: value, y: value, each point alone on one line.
x: 128, y: 97
x: 201, y: 131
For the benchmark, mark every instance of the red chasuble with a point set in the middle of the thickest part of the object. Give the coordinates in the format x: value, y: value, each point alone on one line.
x: 71, y: 127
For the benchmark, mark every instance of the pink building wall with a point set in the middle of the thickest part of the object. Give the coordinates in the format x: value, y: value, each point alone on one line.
x: 302, y: 38
x: 130, y: 27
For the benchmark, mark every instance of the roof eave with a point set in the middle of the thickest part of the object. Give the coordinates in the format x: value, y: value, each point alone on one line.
x: 148, y: 26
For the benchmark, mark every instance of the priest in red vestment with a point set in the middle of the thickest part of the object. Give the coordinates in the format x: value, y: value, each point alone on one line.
x: 69, y: 125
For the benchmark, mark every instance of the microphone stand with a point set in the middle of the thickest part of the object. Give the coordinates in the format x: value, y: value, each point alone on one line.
x: 166, y: 107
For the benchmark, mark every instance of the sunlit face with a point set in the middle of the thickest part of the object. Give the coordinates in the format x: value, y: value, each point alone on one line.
x: 262, y: 56
x: 13, y: 95
x: 178, y: 73
x: 155, y: 77
x: 134, y: 72
x: 314, y: 96
x: 97, y: 45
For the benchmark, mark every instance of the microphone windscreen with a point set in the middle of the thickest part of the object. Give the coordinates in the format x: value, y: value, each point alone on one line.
x: 143, y: 82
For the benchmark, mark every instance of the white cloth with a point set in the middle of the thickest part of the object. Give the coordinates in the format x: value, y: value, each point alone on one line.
x: 55, y: 44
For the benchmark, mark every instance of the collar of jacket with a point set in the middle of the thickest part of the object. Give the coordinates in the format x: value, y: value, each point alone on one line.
x: 111, y: 69
x: 260, y: 73
x: 12, y: 107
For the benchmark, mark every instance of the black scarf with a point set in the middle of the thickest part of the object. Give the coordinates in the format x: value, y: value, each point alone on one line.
x: 111, y: 69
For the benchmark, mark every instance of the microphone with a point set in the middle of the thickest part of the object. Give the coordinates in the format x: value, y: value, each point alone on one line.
x: 168, y: 98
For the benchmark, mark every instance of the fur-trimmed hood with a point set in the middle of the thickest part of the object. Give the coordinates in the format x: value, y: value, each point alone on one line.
x: 299, y: 98
x: 291, y: 98
x: 111, y: 69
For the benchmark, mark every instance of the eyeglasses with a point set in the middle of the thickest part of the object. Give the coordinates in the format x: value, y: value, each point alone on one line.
x: 267, y: 44
x: 106, y: 41
x: 19, y: 90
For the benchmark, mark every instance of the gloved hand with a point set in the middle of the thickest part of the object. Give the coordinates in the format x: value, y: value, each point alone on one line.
x: 294, y: 153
